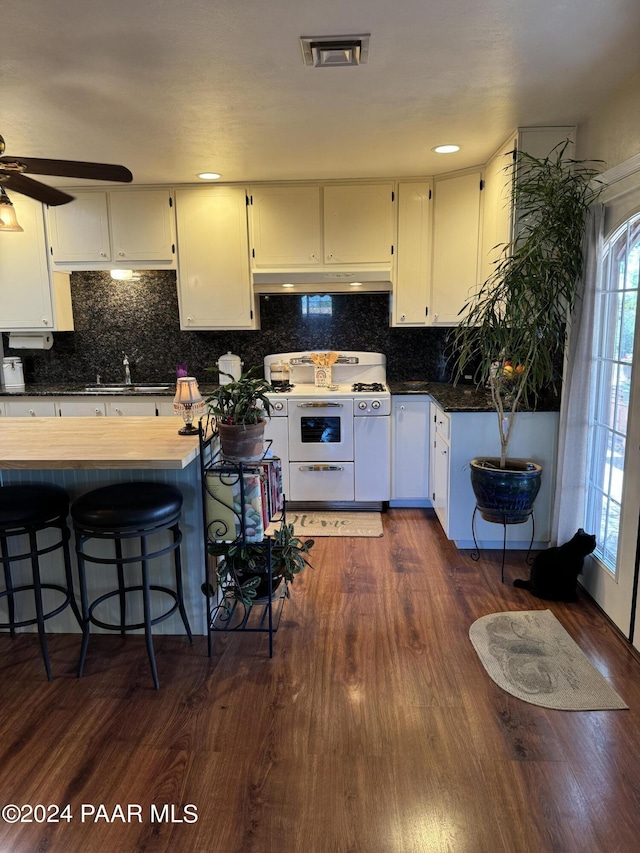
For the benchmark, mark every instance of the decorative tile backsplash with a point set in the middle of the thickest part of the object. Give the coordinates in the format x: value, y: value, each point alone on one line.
x: 141, y: 319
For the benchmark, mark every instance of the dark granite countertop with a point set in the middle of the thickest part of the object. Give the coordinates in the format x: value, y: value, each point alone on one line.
x: 450, y: 398
x: 61, y: 389
x: 458, y: 398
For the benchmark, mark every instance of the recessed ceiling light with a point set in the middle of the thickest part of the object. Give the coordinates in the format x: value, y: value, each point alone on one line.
x: 288, y: 285
x: 446, y: 149
x: 209, y: 176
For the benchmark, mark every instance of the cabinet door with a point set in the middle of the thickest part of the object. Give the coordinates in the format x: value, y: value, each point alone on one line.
x: 358, y: 223
x: 496, y: 214
x: 28, y: 408
x: 410, y: 442
x: 142, y: 225
x: 214, y: 288
x: 79, y: 231
x: 456, y: 236
x: 285, y: 227
x: 25, y: 290
x: 413, y: 279
x: 131, y: 408
x: 440, y: 494
x: 75, y: 408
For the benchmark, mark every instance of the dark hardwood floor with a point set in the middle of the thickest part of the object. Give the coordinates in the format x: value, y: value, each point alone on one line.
x: 373, y: 729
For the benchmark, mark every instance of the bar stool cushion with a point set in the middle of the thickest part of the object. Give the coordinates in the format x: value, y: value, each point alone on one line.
x: 24, y: 505
x: 127, y: 505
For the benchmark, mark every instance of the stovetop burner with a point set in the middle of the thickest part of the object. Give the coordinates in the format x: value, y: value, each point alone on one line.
x: 375, y: 387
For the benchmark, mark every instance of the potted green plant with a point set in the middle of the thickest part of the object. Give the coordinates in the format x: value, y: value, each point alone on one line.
x: 514, y: 326
x: 242, y: 573
x: 241, y: 407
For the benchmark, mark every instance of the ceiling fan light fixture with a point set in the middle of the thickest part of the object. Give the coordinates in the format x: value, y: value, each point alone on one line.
x: 335, y: 51
x: 8, y: 218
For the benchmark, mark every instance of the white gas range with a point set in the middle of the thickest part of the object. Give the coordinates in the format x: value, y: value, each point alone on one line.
x: 334, y: 441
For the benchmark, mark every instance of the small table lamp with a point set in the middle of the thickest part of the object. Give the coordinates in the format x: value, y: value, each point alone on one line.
x: 188, y: 402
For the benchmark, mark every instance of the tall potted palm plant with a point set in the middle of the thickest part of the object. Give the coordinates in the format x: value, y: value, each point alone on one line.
x: 514, y: 326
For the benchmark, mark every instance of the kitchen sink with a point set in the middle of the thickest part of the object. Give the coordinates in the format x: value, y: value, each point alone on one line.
x: 121, y: 389
x: 151, y: 388
x: 106, y: 389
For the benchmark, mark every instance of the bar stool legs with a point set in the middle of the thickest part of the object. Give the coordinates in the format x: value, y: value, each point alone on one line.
x: 25, y: 511
x: 129, y: 511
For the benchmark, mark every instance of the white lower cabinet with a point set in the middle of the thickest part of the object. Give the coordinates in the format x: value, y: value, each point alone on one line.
x: 138, y: 408
x: 31, y: 408
x: 410, y: 450
x: 78, y: 408
x: 458, y: 437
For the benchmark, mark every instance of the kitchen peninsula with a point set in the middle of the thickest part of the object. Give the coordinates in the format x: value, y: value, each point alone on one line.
x: 81, y: 454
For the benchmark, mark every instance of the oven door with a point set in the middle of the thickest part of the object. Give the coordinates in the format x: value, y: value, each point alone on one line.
x: 321, y: 430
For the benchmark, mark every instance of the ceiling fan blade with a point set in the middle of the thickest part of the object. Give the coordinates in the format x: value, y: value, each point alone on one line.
x: 72, y: 169
x: 34, y: 189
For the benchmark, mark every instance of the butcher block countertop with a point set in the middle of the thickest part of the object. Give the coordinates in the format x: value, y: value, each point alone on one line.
x: 123, y: 442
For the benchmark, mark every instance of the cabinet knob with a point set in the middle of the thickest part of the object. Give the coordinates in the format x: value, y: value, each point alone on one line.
x: 103, y: 254
x: 402, y: 318
x: 402, y: 408
x: 330, y: 255
x: 97, y: 411
x: 121, y: 254
x: 189, y: 319
x: 313, y: 256
x: 45, y: 322
x: 117, y: 410
x: 32, y: 413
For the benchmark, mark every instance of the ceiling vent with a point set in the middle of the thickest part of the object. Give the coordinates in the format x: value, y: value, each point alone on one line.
x: 335, y: 51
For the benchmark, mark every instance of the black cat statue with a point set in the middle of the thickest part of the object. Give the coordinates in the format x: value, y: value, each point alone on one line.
x: 554, y: 573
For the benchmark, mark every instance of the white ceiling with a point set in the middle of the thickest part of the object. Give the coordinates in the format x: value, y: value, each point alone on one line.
x: 170, y: 88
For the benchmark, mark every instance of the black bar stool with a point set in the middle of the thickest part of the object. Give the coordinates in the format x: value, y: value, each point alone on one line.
x: 129, y: 511
x: 25, y: 510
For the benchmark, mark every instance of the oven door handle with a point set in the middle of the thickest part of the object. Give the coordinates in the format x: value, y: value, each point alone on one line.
x: 319, y: 405
x: 321, y: 468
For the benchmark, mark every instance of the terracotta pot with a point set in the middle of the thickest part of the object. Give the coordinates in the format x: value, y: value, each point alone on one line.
x: 505, y: 495
x: 242, y: 443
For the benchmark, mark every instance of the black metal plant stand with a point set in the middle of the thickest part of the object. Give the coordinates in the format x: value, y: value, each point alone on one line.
x: 475, y: 554
x: 226, y: 612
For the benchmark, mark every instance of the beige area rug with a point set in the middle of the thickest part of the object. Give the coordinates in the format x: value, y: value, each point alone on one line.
x: 530, y: 655
x: 309, y: 525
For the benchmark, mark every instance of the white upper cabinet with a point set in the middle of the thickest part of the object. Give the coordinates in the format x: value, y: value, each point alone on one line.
x: 286, y: 226
x: 358, y: 223
x: 142, y: 226
x: 456, y: 240
x: 412, y: 285
x: 497, y: 216
x: 214, y: 286
x: 299, y: 227
x: 106, y: 230
x: 31, y: 297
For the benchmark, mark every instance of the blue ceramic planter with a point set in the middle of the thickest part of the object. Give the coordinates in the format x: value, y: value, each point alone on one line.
x: 505, y: 495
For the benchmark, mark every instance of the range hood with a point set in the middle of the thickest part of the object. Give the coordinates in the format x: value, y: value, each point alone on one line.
x: 323, y: 281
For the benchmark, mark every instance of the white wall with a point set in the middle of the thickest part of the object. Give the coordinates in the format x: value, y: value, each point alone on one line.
x: 612, y: 132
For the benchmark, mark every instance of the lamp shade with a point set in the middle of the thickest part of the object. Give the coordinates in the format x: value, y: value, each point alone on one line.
x: 188, y: 402
x: 187, y: 394
x: 8, y: 218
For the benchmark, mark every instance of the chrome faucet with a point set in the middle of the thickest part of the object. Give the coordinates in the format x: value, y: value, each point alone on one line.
x: 126, y: 362
x: 127, y: 372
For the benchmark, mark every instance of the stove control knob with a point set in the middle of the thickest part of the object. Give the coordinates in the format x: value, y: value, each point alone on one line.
x: 278, y: 406
x: 362, y: 404
x: 375, y: 404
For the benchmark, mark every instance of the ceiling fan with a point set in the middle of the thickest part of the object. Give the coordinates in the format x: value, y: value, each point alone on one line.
x: 13, y: 177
